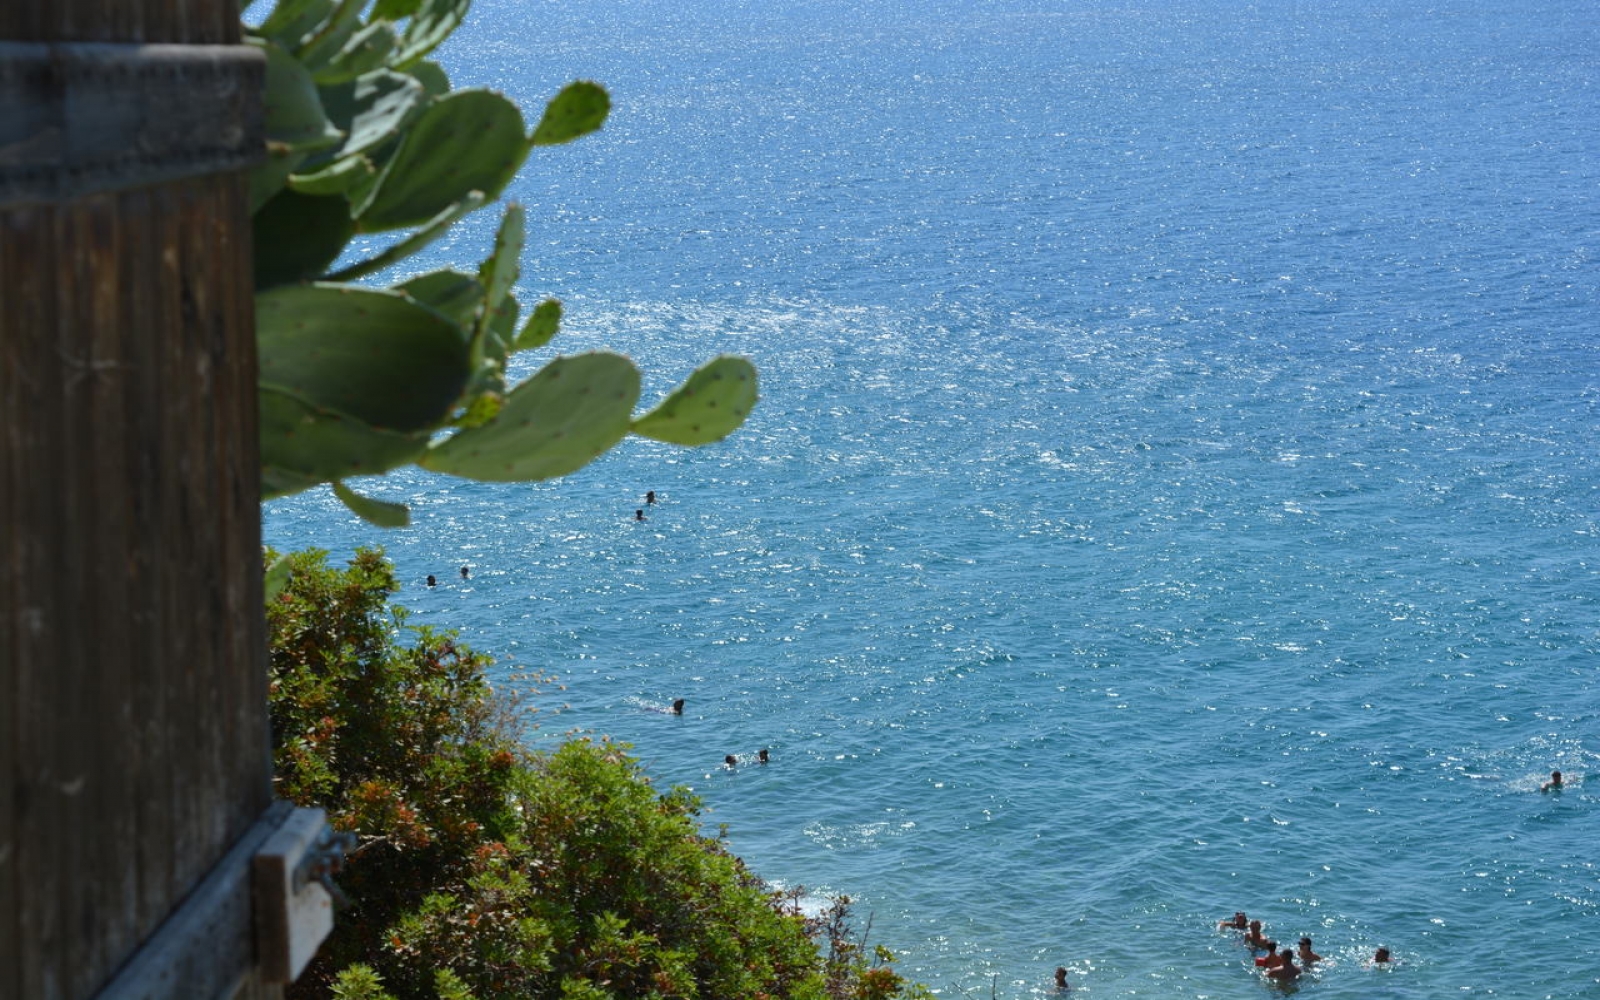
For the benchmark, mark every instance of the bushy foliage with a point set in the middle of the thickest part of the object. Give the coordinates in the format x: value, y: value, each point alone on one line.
x: 486, y: 871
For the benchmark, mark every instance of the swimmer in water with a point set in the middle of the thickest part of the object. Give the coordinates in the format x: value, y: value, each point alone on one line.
x: 1255, y: 938
x: 1381, y: 957
x: 762, y: 756
x: 638, y: 515
x: 1061, y: 980
x: 1554, y: 784
x: 730, y: 760
x: 677, y: 707
x: 1285, y: 970
x: 1271, y: 960
x: 465, y: 572
x: 1237, y: 922
x: 1307, y: 956
x: 650, y: 497
x: 431, y: 580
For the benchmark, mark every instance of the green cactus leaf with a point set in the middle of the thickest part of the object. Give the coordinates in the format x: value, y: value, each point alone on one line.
x: 497, y: 274
x: 335, y: 178
x: 374, y: 355
x: 367, y: 50
x: 502, y: 331
x: 436, y: 227
x: 380, y: 512
x: 541, y: 327
x: 295, y: 124
x: 451, y: 294
x: 292, y: 20
x: 431, y: 23
x: 432, y: 77
x: 297, y: 236
x: 372, y: 108
x: 484, y: 408
x: 579, y: 109
x: 470, y: 140
x: 706, y: 408
x: 556, y: 422
x: 275, y: 578
x: 276, y: 482
x: 304, y: 445
x: 332, y: 36
x: 500, y: 270
x: 394, y: 10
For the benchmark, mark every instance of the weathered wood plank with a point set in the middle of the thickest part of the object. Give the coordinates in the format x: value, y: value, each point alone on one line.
x: 49, y: 649
x: 13, y: 489
x: 133, y: 744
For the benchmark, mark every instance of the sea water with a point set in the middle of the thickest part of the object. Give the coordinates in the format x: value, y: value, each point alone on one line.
x: 1174, y: 490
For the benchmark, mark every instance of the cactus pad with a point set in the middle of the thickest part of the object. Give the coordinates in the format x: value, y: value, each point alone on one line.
x: 468, y: 141
x: 297, y: 236
x: 706, y: 408
x: 577, y: 110
x: 377, y: 356
x: 541, y: 326
x: 556, y: 422
x: 305, y: 445
x: 379, y: 512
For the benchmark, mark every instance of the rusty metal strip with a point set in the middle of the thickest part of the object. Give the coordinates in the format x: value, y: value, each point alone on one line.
x: 81, y: 118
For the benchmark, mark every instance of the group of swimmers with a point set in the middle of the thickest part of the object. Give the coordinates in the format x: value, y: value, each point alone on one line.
x: 762, y: 756
x: 1279, y: 963
x: 466, y: 573
x: 649, y: 501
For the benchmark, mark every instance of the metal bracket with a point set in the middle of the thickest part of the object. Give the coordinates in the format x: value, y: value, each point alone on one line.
x: 295, y: 893
x: 79, y: 118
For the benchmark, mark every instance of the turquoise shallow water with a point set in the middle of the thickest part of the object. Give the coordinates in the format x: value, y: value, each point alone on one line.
x: 1175, y: 489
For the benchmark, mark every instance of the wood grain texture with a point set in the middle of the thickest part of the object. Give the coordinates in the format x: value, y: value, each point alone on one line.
x: 134, y: 748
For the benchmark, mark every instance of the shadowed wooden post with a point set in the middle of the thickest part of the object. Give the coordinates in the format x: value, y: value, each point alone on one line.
x: 134, y: 750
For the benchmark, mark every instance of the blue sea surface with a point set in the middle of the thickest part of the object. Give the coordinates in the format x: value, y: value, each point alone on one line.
x: 1176, y: 487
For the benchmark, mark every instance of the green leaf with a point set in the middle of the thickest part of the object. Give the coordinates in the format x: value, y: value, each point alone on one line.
x: 379, y: 512
x: 276, y: 576
x: 367, y: 50
x: 303, y: 445
x: 579, y: 109
x: 431, y: 23
x: 484, y: 408
x: 374, y: 355
x: 436, y: 227
x: 706, y: 408
x: 330, y: 39
x: 541, y: 327
x: 372, y: 108
x: 296, y: 237
x: 292, y: 20
x: 502, y: 323
x: 559, y: 420
x: 498, y: 274
x: 295, y: 124
x: 451, y: 294
x: 470, y: 140
x: 335, y: 178
x: 432, y: 77
x: 394, y: 10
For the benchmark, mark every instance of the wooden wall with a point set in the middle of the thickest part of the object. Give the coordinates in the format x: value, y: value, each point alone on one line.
x: 133, y: 733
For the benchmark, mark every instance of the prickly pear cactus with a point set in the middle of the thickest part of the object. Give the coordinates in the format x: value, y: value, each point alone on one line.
x: 365, y: 135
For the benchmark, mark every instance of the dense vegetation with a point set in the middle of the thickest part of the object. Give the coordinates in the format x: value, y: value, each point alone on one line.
x: 488, y: 871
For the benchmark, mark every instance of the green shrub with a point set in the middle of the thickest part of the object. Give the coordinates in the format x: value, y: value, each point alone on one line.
x: 487, y: 872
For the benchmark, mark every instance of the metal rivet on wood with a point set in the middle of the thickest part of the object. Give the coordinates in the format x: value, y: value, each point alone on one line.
x: 81, y: 118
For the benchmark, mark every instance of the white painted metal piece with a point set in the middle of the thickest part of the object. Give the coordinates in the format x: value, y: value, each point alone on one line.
x: 293, y: 914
